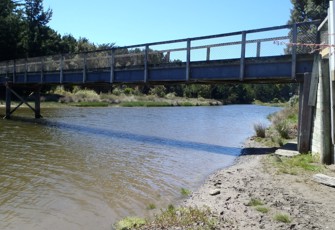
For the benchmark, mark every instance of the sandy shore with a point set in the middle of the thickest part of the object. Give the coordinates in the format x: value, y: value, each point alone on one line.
x: 228, y: 192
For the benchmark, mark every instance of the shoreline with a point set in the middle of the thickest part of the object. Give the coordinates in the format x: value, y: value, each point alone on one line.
x: 229, y: 191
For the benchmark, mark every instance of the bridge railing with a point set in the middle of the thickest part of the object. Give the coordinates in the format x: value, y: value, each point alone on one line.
x: 272, y: 41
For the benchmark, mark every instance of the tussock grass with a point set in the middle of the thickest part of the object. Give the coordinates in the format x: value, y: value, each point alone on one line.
x: 260, y: 130
x: 284, y: 127
x: 284, y: 218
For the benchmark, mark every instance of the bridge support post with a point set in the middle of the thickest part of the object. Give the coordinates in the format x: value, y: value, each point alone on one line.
x: 37, y: 110
x: 305, y: 116
x: 8, y: 103
x: 9, y: 111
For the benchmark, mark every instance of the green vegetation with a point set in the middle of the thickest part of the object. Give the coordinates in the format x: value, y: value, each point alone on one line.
x: 130, y: 223
x: 284, y: 218
x: 121, y: 97
x: 145, y: 104
x: 255, y: 202
x: 151, y: 206
x: 258, y: 205
x: 187, y: 218
x: 262, y: 209
x: 185, y: 192
x: 260, y: 130
x: 183, y: 218
x: 284, y: 126
x: 300, y: 163
x: 91, y: 104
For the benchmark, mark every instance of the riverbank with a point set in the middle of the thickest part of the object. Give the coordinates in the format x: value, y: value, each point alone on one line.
x: 254, y: 194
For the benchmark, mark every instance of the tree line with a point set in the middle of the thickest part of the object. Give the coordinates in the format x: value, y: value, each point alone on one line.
x: 25, y: 33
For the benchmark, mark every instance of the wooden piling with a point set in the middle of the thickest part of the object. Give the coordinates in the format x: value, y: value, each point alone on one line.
x: 8, y: 102
x: 305, y: 116
x: 37, y: 110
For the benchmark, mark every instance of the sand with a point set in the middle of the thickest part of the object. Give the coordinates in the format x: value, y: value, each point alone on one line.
x: 308, y: 205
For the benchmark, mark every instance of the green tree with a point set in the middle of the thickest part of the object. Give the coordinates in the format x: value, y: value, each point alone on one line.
x: 36, y: 33
x: 10, y: 27
x: 308, y: 10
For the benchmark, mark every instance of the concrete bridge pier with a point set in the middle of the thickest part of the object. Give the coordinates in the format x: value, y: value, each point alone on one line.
x: 320, y: 102
x: 37, y: 102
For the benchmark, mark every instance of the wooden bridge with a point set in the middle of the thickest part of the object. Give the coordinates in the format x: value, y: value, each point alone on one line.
x: 260, y: 55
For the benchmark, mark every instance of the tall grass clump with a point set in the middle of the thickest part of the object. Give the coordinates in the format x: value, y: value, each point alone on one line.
x: 285, y: 122
x: 260, y: 130
x: 183, y: 218
x: 284, y: 218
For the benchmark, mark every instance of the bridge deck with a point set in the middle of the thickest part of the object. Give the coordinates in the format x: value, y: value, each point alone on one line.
x: 260, y: 70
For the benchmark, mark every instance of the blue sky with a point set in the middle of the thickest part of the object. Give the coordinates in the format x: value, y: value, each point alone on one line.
x: 129, y: 22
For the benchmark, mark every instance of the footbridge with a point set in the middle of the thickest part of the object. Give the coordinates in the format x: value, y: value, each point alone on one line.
x: 260, y: 55
x: 280, y: 54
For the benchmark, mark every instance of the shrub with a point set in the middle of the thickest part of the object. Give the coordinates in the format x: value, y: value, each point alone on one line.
x: 87, y: 95
x: 260, y: 130
x: 117, y: 91
x: 293, y: 101
x: 128, y: 91
x: 159, y: 91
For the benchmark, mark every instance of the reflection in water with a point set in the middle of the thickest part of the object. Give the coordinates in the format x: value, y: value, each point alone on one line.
x: 83, y: 168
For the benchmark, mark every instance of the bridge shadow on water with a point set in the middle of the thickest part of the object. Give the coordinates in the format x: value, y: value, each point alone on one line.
x: 115, y: 134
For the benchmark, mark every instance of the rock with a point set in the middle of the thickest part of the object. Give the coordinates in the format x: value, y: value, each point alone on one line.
x: 214, y: 192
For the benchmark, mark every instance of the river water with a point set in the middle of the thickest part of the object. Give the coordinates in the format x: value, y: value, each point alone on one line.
x: 85, y: 168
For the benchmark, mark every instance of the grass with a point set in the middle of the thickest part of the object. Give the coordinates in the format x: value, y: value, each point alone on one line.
x: 130, y: 223
x: 91, y: 104
x: 144, y: 104
x: 283, y: 128
x: 183, y: 218
x: 284, y: 218
x: 185, y: 192
x: 262, y: 209
x: 255, y: 202
x: 260, y: 130
x: 151, y: 206
x: 297, y: 164
x: 172, y: 218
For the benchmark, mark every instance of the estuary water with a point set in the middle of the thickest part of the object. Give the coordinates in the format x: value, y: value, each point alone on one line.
x: 85, y: 168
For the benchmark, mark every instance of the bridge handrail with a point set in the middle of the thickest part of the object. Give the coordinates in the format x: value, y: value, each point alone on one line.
x: 107, y: 58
